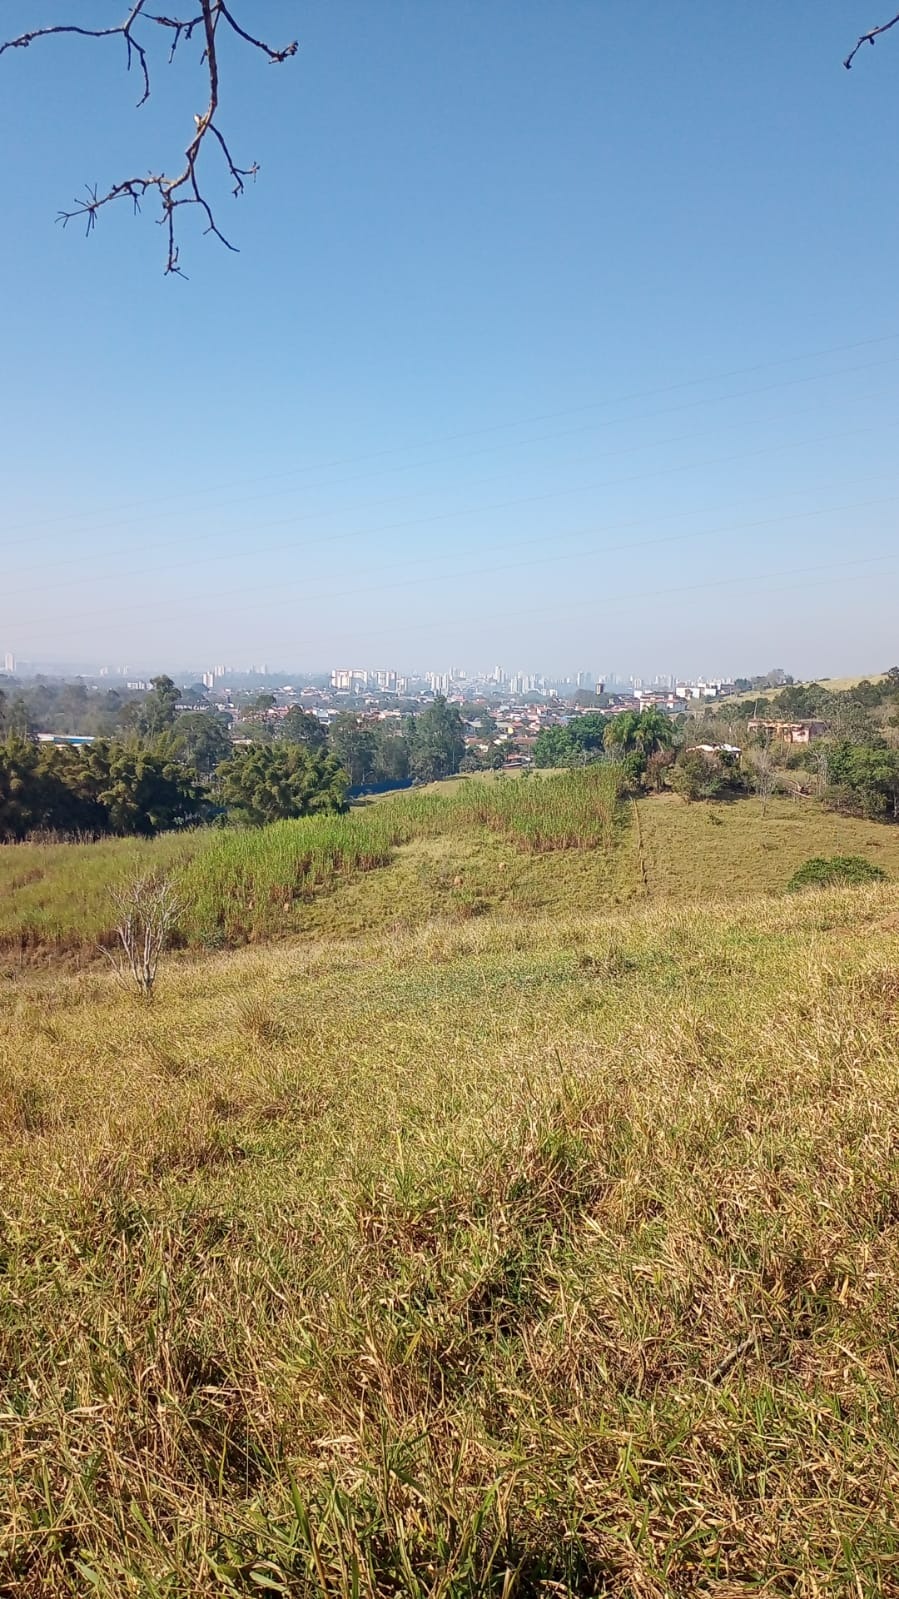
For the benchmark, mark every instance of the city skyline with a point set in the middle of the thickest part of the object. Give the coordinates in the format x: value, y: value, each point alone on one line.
x: 375, y: 676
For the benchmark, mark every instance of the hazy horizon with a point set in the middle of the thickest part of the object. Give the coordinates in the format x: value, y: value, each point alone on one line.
x: 552, y: 341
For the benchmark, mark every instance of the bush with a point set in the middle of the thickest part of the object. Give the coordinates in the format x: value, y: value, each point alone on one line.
x: 698, y: 776
x: 863, y: 780
x: 838, y: 870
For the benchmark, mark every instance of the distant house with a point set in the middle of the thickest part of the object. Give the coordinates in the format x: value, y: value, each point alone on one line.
x: 661, y: 699
x: 788, y: 732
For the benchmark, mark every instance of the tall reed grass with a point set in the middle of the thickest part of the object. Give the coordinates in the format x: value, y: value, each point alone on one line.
x: 574, y: 810
x: 238, y: 885
x: 55, y: 896
x: 246, y: 884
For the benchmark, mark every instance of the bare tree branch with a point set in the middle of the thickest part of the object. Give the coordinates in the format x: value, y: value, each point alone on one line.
x: 869, y: 38
x: 183, y: 188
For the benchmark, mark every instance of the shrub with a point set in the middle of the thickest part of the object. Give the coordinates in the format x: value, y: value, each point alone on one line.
x: 146, y: 911
x: 834, y: 871
x: 698, y: 776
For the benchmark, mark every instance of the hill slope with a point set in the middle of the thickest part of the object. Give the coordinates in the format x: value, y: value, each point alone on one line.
x: 537, y: 1256
x: 536, y: 846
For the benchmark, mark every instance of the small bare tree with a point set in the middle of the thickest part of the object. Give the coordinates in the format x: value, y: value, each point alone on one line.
x: 762, y: 773
x: 147, y: 910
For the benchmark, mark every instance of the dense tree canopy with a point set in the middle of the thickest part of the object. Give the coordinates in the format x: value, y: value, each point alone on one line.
x: 438, y: 741
x: 352, y: 739
x: 201, y: 739
x: 302, y: 727
x: 864, y: 778
x: 106, y: 788
x: 639, y: 734
x: 160, y: 708
x: 274, y: 782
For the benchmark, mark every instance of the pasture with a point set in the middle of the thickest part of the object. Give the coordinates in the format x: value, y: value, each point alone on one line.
x: 562, y: 844
x: 524, y: 1256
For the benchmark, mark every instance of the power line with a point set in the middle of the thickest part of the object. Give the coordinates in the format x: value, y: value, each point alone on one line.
x: 520, y: 422
x: 457, y: 514
x: 265, y: 601
x: 669, y: 591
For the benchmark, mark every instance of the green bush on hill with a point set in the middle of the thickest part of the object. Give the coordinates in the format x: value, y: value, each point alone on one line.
x: 698, y: 775
x: 864, y: 779
x: 822, y: 872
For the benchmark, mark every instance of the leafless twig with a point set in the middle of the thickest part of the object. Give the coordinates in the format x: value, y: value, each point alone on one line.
x: 869, y: 38
x: 732, y: 1356
x: 183, y: 188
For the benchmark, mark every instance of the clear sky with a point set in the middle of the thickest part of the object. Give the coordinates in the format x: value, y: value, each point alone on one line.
x: 561, y: 336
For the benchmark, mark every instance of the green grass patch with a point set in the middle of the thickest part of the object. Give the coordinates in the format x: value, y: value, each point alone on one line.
x: 832, y: 871
x: 726, y: 850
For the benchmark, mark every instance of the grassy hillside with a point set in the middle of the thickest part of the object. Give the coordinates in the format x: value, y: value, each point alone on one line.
x: 242, y: 886
x: 729, y: 850
x: 547, y: 1256
x: 554, y: 844
x: 835, y: 685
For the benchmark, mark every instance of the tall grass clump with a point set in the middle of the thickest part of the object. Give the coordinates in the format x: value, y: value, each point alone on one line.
x: 245, y: 885
x: 573, y: 810
x: 55, y: 897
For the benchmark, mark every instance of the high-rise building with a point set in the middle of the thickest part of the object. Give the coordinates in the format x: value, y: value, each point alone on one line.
x: 349, y: 679
x: 9, y: 662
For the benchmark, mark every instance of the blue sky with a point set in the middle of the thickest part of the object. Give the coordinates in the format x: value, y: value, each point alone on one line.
x: 560, y: 337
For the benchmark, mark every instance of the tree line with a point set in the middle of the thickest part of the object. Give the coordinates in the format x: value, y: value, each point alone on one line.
x: 641, y: 741
x: 177, y: 768
x: 853, y: 768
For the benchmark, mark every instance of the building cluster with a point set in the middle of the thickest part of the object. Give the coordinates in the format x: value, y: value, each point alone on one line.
x: 501, y: 708
x: 801, y: 732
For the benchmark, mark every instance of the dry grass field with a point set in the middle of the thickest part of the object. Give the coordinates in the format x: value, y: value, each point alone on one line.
x: 546, y: 1256
x: 729, y: 850
x: 522, y: 1221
